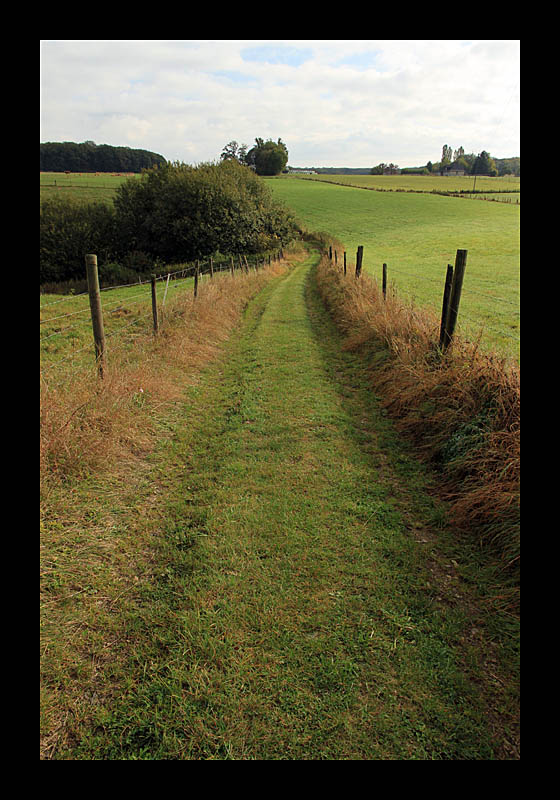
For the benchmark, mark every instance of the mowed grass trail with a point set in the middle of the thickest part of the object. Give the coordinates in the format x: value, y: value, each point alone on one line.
x: 299, y: 609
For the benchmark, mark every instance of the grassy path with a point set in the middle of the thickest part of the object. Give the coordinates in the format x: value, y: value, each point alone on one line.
x: 295, y: 608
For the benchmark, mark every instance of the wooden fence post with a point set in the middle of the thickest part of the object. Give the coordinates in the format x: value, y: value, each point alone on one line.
x: 196, y: 272
x: 211, y: 268
x: 384, y: 281
x: 330, y: 252
x: 345, y: 262
x: 359, y: 257
x: 231, y: 267
x: 456, y: 287
x: 154, y: 305
x: 96, y: 311
x: 445, y: 305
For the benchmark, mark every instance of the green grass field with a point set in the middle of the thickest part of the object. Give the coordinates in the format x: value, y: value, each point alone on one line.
x: 85, y: 186
x: 421, y: 183
x: 66, y: 338
x: 417, y: 235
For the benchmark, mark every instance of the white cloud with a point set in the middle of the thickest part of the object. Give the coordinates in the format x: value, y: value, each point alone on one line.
x: 333, y: 102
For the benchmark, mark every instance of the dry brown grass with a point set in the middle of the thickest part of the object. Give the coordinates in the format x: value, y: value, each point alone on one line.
x: 461, y: 410
x: 88, y: 424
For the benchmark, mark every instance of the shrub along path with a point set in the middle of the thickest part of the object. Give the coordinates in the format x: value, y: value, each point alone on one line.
x: 298, y: 608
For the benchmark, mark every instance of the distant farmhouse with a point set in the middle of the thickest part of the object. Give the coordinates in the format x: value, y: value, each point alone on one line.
x: 453, y: 169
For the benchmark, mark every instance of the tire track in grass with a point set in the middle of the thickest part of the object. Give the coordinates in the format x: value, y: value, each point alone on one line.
x: 292, y: 618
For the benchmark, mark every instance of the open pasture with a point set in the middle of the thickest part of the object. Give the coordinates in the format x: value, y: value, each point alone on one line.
x: 417, y: 235
x: 422, y: 183
x: 87, y: 186
x: 415, y: 232
x: 66, y: 337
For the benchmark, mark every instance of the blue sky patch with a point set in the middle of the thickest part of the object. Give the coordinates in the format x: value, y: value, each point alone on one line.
x: 365, y: 60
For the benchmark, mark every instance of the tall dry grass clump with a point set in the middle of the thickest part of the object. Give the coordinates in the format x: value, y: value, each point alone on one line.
x: 88, y: 424
x: 460, y: 409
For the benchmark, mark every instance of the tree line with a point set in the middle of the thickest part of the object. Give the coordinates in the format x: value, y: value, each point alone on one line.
x: 90, y: 157
x: 471, y: 163
x: 171, y: 214
x: 265, y: 157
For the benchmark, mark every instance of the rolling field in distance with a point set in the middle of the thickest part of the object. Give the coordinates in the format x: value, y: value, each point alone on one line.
x: 88, y: 186
x: 417, y: 235
x: 422, y: 183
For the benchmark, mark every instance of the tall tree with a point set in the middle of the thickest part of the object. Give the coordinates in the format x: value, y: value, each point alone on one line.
x: 484, y: 165
x: 267, y: 158
x: 446, y: 154
x: 459, y: 153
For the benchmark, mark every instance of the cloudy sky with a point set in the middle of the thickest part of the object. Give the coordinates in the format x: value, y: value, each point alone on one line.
x: 338, y: 103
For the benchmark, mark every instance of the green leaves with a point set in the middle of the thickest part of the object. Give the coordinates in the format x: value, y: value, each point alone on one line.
x: 179, y: 213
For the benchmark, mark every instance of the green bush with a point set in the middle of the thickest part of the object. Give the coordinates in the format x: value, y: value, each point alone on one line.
x: 69, y: 230
x: 170, y: 215
x: 179, y: 213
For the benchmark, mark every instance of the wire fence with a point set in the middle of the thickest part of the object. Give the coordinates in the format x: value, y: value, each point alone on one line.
x: 65, y: 333
x: 472, y: 320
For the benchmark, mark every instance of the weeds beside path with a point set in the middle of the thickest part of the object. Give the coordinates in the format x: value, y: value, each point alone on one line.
x: 296, y: 606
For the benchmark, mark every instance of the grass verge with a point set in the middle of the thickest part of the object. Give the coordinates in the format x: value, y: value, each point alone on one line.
x: 461, y: 410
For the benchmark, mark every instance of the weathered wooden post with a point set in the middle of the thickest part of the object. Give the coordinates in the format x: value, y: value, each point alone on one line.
x: 154, y: 305
x: 455, y: 297
x: 231, y: 267
x: 196, y: 273
x: 345, y: 262
x: 330, y: 252
x: 359, y: 257
x: 96, y: 311
x: 211, y: 268
x: 445, y: 304
x: 384, y: 281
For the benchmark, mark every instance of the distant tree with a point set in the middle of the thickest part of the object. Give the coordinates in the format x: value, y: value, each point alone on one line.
x: 265, y: 157
x: 379, y: 169
x: 429, y: 166
x: 446, y: 155
x: 484, y: 165
x: 459, y: 153
x: 90, y: 157
x: 234, y: 150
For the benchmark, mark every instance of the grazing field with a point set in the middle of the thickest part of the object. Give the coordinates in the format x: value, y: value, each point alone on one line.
x: 422, y: 183
x: 66, y: 338
x: 89, y: 186
x: 417, y: 235
x: 408, y: 227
